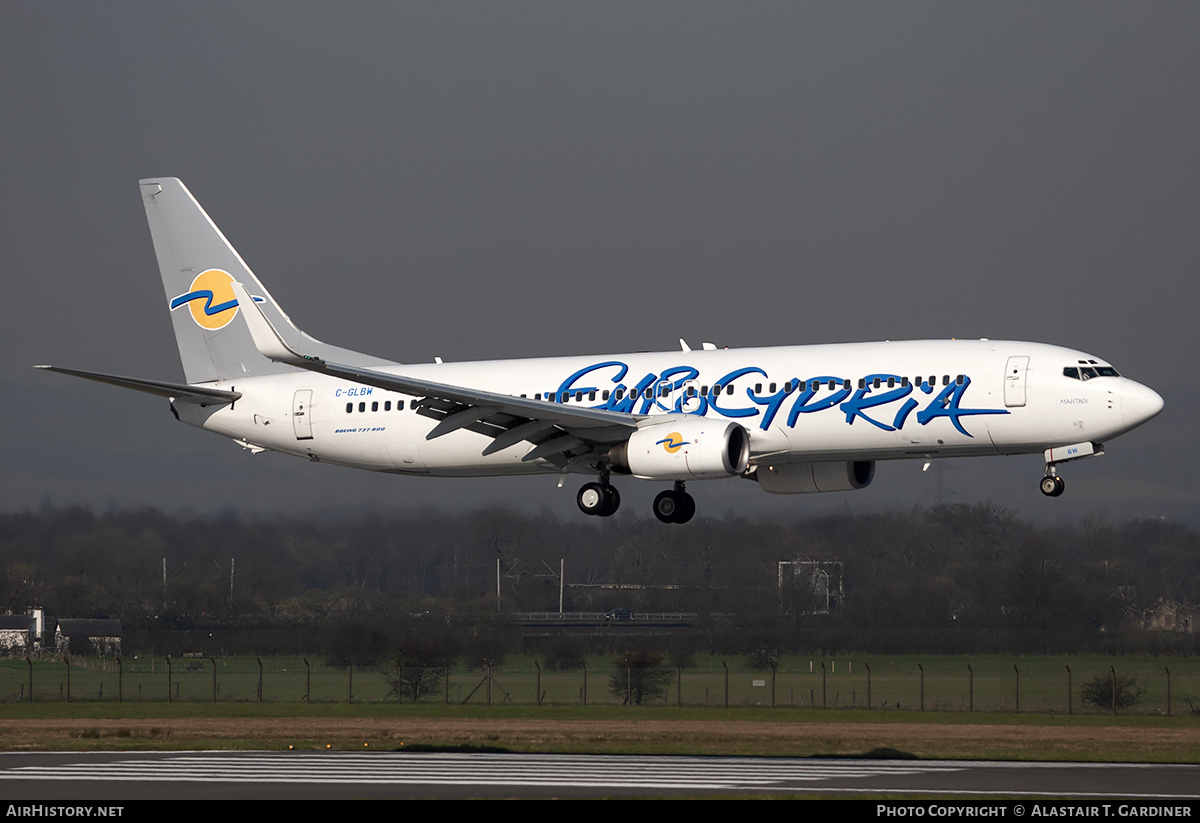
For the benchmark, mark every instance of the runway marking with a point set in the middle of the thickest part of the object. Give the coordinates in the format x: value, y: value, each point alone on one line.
x: 468, y: 769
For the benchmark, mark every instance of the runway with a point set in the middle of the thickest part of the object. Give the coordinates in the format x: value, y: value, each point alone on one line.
x: 132, y: 776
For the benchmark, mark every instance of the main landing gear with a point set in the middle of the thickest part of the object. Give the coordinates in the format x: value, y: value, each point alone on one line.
x: 602, y: 500
x: 674, y: 506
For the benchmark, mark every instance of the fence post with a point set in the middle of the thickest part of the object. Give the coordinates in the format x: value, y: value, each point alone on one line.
x: 868, y: 665
x: 824, y: 689
x: 970, y: 688
x: 1070, y: 701
x: 726, y: 667
x: 213, y: 660
x: 1018, y: 693
x: 307, y: 680
x: 922, y: 668
x: 537, y: 696
x: 170, y: 680
x: 1113, y: 671
x: 67, y: 660
x: 1168, y: 671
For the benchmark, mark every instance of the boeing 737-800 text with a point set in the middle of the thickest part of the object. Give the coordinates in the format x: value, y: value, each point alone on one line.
x: 794, y: 419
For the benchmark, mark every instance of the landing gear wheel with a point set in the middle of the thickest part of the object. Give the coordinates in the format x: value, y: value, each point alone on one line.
x: 598, y: 499
x: 1053, y: 485
x: 591, y: 498
x: 674, y: 507
x: 687, y: 508
x: 614, y: 501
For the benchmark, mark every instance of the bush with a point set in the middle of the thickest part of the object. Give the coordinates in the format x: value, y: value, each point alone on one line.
x: 1099, y: 692
x: 638, y: 676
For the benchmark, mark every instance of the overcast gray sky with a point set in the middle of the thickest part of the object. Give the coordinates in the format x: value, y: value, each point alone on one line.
x: 487, y: 180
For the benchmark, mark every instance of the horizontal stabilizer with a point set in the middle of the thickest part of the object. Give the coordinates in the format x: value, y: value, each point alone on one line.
x: 173, y: 391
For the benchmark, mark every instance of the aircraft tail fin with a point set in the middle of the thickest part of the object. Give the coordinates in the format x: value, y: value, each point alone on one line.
x: 198, y: 266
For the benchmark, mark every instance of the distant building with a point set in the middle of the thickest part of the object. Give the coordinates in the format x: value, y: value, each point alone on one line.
x: 1170, y: 616
x: 99, y: 637
x: 16, y: 634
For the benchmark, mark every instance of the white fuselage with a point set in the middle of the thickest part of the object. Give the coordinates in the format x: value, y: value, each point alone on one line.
x: 838, y: 402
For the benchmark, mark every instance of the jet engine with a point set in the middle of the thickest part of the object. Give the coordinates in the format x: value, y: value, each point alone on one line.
x: 691, y: 448
x: 809, y: 478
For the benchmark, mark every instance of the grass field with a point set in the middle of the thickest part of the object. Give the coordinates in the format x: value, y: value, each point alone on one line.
x: 797, y: 725
x: 999, y: 684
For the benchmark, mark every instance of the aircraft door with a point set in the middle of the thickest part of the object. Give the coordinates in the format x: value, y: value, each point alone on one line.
x: 302, y: 414
x: 1014, y: 381
x: 690, y: 399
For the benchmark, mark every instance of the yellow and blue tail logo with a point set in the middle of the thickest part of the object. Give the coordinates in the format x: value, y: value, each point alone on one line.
x: 210, y: 300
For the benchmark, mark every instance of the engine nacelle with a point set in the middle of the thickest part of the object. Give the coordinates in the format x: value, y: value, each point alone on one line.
x: 810, y: 478
x: 688, y: 448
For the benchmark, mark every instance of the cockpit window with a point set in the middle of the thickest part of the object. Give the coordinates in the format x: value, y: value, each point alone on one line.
x: 1088, y: 372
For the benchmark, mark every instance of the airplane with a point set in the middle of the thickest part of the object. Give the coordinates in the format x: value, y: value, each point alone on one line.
x: 793, y: 419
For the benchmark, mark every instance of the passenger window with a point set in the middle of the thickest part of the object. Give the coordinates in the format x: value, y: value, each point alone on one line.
x: 349, y: 408
x: 387, y: 405
x: 891, y: 382
x: 362, y: 407
x: 959, y: 380
x: 399, y: 405
x: 374, y: 405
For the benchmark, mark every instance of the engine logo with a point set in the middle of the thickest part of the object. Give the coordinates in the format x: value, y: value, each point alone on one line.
x: 673, y: 442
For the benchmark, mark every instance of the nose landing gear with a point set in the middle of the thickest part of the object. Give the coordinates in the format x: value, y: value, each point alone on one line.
x: 1052, y: 484
x: 674, y: 506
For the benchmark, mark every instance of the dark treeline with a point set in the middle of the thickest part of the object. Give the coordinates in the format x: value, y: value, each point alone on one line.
x: 948, y: 579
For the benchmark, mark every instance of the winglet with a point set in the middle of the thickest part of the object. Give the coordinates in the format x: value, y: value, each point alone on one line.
x: 266, y: 338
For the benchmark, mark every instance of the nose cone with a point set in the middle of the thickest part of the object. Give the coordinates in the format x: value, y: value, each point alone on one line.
x: 1139, y: 403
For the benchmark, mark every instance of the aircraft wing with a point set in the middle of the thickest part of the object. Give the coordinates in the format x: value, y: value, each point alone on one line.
x: 557, y: 432
x: 172, y: 391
